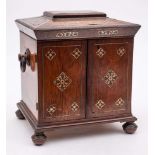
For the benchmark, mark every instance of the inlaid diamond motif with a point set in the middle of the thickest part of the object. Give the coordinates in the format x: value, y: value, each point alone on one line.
x: 110, y: 77
x: 62, y: 81
x: 100, y: 52
x: 121, y: 51
x: 120, y: 102
x: 50, y: 54
x: 76, y: 53
x: 100, y: 104
x: 74, y: 107
x: 51, y: 109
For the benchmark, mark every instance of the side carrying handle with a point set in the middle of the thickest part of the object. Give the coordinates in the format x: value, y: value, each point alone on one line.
x: 27, y: 59
x: 85, y: 14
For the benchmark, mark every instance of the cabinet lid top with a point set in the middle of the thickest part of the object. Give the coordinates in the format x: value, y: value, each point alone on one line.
x: 54, y: 20
x: 73, y: 14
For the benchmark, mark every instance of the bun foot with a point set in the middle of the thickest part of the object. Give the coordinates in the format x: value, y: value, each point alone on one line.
x: 39, y: 138
x: 19, y: 115
x: 129, y: 127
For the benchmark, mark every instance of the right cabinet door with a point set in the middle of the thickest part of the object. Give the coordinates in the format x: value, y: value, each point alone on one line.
x: 109, y: 77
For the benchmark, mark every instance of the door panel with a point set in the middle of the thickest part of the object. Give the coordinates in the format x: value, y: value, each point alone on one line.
x: 109, y: 77
x: 64, y: 80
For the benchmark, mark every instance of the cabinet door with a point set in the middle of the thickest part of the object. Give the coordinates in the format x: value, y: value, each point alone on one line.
x: 109, y: 77
x: 63, y: 77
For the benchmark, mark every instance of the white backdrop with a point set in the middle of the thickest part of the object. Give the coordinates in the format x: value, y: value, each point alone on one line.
x: 108, y: 139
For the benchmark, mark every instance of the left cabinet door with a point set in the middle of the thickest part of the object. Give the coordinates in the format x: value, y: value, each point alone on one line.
x: 62, y: 85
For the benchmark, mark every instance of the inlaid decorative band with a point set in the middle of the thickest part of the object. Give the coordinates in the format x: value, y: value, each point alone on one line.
x: 50, y: 54
x: 107, y: 32
x: 100, y: 104
x: 62, y: 81
x: 67, y: 34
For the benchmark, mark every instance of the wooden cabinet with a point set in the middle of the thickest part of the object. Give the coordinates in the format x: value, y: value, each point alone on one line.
x: 76, y: 70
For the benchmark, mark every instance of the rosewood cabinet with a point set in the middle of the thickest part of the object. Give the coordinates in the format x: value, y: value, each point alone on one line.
x: 76, y: 69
